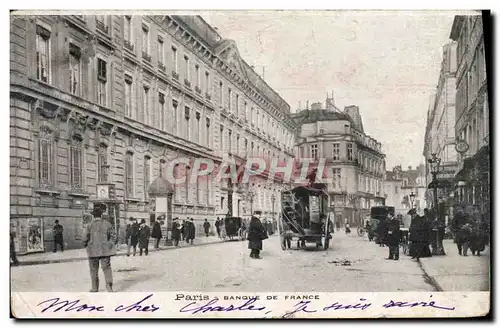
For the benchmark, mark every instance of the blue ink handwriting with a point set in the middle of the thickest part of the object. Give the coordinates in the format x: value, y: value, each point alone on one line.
x: 138, y: 306
x: 211, y: 306
x: 299, y: 307
x: 56, y: 305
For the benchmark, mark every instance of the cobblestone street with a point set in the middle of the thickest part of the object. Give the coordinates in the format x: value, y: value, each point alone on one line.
x: 352, y: 264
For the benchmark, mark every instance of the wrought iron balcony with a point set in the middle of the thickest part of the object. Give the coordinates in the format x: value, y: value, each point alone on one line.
x: 146, y: 57
x: 102, y: 27
x: 162, y: 67
x: 128, y: 45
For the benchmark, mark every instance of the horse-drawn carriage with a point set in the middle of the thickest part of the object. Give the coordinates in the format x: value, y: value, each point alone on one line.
x: 305, y: 217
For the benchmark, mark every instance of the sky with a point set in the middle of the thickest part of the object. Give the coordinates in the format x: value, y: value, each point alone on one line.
x: 385, y: 62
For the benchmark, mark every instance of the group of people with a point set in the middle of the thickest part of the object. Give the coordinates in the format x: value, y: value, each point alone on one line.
x: 185, y: 231
x: 471, y: 231
x: 138, y: 234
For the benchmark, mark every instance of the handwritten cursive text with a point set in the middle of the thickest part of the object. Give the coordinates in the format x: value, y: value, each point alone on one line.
x: 211, y: 306
x: 56, y: 305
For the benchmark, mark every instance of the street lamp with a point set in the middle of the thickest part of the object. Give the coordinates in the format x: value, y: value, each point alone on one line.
x: 412, y: 199
x: 434, y: 162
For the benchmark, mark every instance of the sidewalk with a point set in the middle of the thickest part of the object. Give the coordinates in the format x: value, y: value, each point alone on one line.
x: 453, y: 272
x: 73, y: 255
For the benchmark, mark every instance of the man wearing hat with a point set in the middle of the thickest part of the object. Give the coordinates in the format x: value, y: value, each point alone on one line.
x: 176, y: 232
x: 144, y: 234
x: 58, y: 236
x: 99, y: 240
x: 132, y: 235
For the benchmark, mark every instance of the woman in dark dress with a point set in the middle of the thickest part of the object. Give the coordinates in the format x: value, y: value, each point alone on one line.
x: 256, y: 234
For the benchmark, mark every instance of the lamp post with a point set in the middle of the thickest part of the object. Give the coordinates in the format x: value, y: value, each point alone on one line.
x: 412, y: 199
x: 434, y: 162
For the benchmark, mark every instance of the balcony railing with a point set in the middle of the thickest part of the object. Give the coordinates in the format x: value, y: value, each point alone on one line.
x: 102, y: 27
x: 175, y: 75
x: 187, y: 83
x: 162, y: 67
x: 197, y: 89
x: 128, y: 45
x: 146, y: 57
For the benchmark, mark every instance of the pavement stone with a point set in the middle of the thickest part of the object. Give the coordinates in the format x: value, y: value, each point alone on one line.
x: 453, y: 272
x: 73, y: 255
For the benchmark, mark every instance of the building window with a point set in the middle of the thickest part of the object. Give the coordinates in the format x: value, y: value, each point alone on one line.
x: 246, y: 111
x: 207, y: 82
x: 186, y: 68
x: 230, y: 98
x: 161, y: 50
x: 198, y: 77
x: 221, y: 93
x: 75, y: 70
x: 337, y: 176
x: 177, y: 195
x: 127, y: 29
x: 128, y: 96
x: 336, y: 151
x: 187, y: 133
x: 145, y: 39
x: 252, y: 116
x: 145, y: 105
x: 163, y: 163
x: 161, y: 111
x: 314, y: 151
x: 238, y: 144
x: 222, y: 138
x: 129, y: 175
x: 209, y: 135
x: 186, y: 185
x: 197, y: 130
x: 42, y: 54
x: 350, y: 156
x: 237, y: 105
x: 75, y: 160
x: 174, y: 60
x: 245, y: 149
x: 229, y: 139
x: 46, y: 160
x: 147, y: 176
x: 101, y: 82
x: 102, y: 164
x: 174, y: 117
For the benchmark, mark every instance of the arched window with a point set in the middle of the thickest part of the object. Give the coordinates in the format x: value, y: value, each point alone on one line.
x: 129, y: 175
x: 76, y: 163
x: 46, y: 159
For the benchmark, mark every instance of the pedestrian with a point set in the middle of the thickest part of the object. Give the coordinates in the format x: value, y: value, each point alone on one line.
x: 13, y: 256
x: 369, y: 229
x: 144, y: 234
x: 99, y: 240
x: 206, y: 227
x: 460, y: 231
x: 347, y: 229
x: 337, y: 224
x: 191, y: 231
x: 217, y: 226
x: 58, y: 236
x: 393, y: 238
x: 478, y: 235
x: 287, y: 235
x: 176, y: 232
x: 243, y: 230
x: 420, y: 234
x: 183, y: 230
x: 256, y: 234
x: 156, y: 233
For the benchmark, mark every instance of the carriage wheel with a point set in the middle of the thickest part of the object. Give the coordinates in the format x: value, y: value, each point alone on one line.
x: 361, y: 231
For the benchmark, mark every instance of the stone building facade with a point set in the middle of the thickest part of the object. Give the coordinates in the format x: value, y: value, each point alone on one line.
x: 472, y: 178
x: 113, y: 99
x: 440, y: 126
x: 355, y: 163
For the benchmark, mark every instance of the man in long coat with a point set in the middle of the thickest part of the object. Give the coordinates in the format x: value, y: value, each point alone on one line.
x: 58, y: 236
x: 256, y: 234
x: 156, y: 233
x: 206, y: 227
x: 393, y: 238
x: 99, y: 240
x: 176, y: 232
x: 190, y: 231
x: 144, y: 234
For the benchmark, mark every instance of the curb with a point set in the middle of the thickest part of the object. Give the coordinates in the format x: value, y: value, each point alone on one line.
x: 77, y: 259
x: 429, y: 279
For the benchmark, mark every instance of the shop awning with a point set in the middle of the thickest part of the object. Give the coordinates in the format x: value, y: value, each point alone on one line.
x: 480, y: 161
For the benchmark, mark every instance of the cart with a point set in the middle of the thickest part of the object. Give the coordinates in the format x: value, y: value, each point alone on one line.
x: 232, y: 226
x: 305, y: 218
